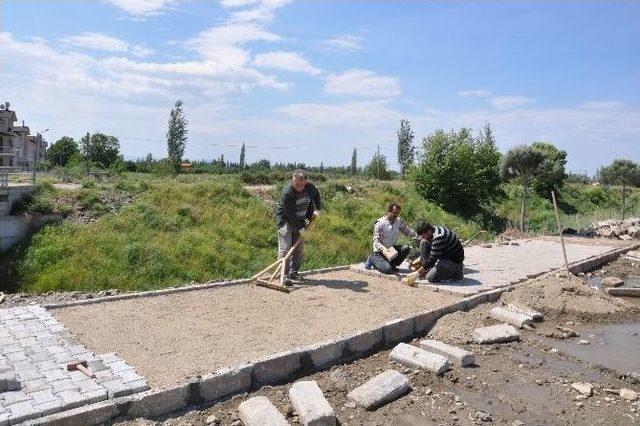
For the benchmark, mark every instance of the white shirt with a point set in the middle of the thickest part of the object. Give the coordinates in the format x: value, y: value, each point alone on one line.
x: 385, y: 233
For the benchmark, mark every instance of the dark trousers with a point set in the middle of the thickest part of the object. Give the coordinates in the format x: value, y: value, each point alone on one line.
x: 389, y: 267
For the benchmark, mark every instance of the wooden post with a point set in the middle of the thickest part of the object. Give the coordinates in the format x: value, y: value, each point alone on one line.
x: 564, y: 251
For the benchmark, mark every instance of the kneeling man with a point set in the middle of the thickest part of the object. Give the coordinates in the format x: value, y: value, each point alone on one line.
x: 441, y: 253
x: 387, y: 255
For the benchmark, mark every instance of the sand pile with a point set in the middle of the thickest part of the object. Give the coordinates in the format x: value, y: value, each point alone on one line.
x: 570, y: 299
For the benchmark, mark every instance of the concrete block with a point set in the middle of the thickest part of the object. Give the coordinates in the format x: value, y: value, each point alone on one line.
x: 398, y: 330
x: 226, y: 382
x: 94, y: 414
x: 381, y: 389
x: 71, y: 399
x: 425, y: 320
x: 4, y: 418
x: 535, y: 315
x: 8, y: 381
x: 259, y: 411
x: 454, y: 354
x: 156, y: 402
x: 48, y: 408
x: 116, y: 388
x: 327, y: 353
x: 494, y: 295
x: 460, y: 305
x: 365, y: 342
x: 311, y: 405
x: 277, y: 368
x: 43, y: 397
x: 63, y: 385
x: 624, y: 291
x: 21, y: 412
x: 415, y: 357
x: 127, y: 376
x: 510, y: 317
x: 501, y: 333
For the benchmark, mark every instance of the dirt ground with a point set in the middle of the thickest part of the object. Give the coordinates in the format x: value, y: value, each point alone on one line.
x: 171, y: 338
x: 515, y: 384
x: 528, y: 382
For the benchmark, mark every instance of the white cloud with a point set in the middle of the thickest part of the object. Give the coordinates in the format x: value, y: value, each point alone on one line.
x: 349, y: 114
x: 141, y: 9
x: 363, y: 83
x: 343, y: 43
x: 474, y: 93
x: 262, y: 11
x: 237, y: 3
x: 602, y: 105
x: 505, y: 102
x: 287, y: 61
x: 97, y: 41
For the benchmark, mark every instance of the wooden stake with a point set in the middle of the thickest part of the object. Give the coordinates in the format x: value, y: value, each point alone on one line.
x: 564, y: 250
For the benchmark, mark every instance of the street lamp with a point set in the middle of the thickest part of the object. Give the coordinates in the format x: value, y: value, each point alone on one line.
x: 36, y: 154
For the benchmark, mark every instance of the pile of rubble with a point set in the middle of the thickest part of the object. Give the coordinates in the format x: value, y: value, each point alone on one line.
x: 622, y: 229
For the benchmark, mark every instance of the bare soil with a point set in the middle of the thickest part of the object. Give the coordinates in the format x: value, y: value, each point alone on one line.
x: 171, y: 338
x: 515, y: 384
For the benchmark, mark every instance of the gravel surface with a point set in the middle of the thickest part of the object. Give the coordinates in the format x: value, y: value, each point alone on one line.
x: 171, y: 338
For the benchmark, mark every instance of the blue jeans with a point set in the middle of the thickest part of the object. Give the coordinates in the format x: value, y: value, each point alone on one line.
x: 389, y: 267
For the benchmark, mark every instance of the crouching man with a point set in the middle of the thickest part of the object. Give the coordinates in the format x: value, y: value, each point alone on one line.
x: 387, y: 254
x: 441, y: 253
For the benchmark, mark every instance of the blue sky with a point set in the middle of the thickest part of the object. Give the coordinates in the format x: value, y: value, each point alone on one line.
x: 308, y: 81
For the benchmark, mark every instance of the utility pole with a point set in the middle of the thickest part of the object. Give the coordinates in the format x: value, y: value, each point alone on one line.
x: 378, y: 162
x: 36, y: 152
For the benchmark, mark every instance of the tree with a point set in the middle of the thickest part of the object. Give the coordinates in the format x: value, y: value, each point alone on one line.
x: 62, y: 150
x: 620, y: 172
x: 378, y: 167
x: 405, y: 146
x: 149, y: 158
x: 354, y: 162
x: 242, y: 152
x: 176, y: 135
x: 459, y: 172
x: 552, y: 174
x: 321, y: 167
x: 101, y: 149
x: 524, y: 164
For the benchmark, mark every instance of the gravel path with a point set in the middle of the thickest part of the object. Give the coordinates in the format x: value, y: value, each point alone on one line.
x: 170, y: 338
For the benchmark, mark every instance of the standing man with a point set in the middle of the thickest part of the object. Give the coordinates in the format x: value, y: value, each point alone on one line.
x: 441, y: 253
x: 387, y: 254
x: 299, y: 204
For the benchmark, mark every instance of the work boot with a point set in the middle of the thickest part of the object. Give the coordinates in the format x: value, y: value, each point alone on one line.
x: 368, y: 264
x: 295, y: 277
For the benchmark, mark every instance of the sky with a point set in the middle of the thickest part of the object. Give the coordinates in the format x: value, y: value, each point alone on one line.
x: 309, y: 81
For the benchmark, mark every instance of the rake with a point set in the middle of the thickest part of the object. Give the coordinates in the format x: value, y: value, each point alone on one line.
x: 276, y: 268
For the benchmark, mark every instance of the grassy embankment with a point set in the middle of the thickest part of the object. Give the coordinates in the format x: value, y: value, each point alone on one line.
x: 200, y: 228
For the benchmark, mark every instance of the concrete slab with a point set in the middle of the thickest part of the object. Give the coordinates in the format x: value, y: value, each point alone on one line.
x: 381, y: 389
x: 510, y: 317
x: 535, y: 315
x: 415, y: 357
x: 501, y: 333
x: 259, y: 411
x: 453, y: 353
x: 311, y: 405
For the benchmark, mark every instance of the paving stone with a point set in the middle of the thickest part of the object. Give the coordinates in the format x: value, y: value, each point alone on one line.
x: 425, y: 320
x: 33, y: 374
x: 47, y: 408
x: 398, y: 330
x: 109, y: 358
x: 156, y: 402
x: 4, y: 417
x: 14, y: 397
x: 383, y: 388
x: 277, y: 368
x: 35, y: 385
x: 501, y: 333
x: 63, y: 385
x: 47, y: 365
x: 453, y: 353
x: 365, y: 342
x: 116, y: 388
x: 311, y: 405
x: 127, y: 376
x: 8, y: 381
x: 327, y: 353
x: 225, y: 382
x: 259, y: 411
x: 624, y: 291
x: 71, y: 399
x: 537, y: 316
x: 43, y: 397
x: 96, y: 396
x: 22, y: 411
x: 96, y: 365
x: 510, y: 317
x: 55, y: 375
x: 415, y: 357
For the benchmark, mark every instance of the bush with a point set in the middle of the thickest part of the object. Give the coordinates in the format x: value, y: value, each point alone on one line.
x: 457, y: 171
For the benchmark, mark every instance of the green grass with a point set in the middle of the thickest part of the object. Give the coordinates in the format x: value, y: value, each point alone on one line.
x: 205, y: 228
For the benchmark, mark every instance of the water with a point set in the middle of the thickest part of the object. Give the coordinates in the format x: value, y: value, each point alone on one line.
x: 616, y: 347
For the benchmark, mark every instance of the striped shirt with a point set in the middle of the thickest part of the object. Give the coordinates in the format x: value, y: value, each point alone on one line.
x: 444, y: 245
x: 385, y: 233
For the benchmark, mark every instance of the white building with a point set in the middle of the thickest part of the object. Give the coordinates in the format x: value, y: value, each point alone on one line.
x: 18, y: 148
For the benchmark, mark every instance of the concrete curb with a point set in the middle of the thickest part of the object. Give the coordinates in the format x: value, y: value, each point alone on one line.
x: 282, y: 367
x: 172, y: 290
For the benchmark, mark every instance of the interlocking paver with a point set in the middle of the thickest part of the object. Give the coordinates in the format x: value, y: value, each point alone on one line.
x: 34, y: 381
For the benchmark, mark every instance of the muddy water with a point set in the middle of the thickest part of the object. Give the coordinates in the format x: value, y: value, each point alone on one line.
x: 614, y: 346
x: 634, y: 281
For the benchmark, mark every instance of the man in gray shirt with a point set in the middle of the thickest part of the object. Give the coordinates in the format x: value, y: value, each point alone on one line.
x: 300, y: 202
